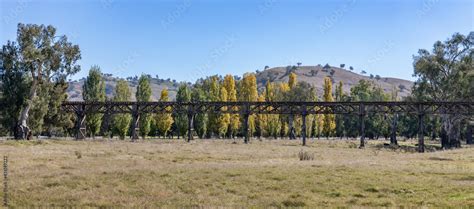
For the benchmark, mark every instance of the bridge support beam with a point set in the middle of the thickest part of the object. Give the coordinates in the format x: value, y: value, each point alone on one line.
x: 421, y: 134
x: 303, y: 127
x: 246, y: 128
x: 81, y: 123
x: 362, y: 125
x: 135, y: 126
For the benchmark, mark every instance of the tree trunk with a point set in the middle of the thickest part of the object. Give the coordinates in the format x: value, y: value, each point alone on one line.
x: 23, y: 131
x: 469, y: 134
x: 450, y: 136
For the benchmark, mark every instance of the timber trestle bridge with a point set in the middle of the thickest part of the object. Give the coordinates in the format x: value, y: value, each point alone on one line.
x: 245, y: 109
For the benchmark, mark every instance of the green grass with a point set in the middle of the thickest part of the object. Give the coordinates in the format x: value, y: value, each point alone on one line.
x: 214, y: 173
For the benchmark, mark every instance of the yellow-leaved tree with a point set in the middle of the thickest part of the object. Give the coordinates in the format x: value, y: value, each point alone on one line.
x: 273, y: 126
x: 329, y: 126
x: 292, y: 80
x: 224, y: 119
x: 248, y: 93
x: 261, y: 120
x: 164, y: 120
x: 283, y: 89
x: 234, y: 123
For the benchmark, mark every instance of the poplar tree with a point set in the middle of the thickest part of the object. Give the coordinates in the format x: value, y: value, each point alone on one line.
x: 143, y: 94
x: 213, y: 88
x: 261, y: 123
x: 121, y: 121
x: 339, y: 117
x: 200, y: 119
x: 224, y: 118
x: 164, y: 120
x: 234, y: 123
x: 181, y: 120
x: 329, y: 119
x: 248, y: 93
x: 94, y: 91
x: 273, y: 126
x: 292, y: 80
x: 283, y: 90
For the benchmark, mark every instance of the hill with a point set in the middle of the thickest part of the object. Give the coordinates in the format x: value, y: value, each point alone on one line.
x: 313, y: 75
x: 157, y: 85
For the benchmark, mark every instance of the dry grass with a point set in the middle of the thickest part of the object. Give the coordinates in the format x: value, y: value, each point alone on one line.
x: 210, y: 173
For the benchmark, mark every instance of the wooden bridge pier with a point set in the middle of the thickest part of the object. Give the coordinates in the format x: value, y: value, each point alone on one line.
x: 362, y: 125
x: 421, y: 135
x: 190, y: 126
x: 246, y: 115
x: 135, y: 126
x: 303, y: 126
x: 81, y: 123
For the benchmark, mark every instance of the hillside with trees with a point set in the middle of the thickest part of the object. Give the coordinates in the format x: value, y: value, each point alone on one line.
x: 313, y: 75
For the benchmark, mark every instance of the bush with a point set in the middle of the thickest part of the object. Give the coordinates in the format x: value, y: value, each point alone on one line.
x: 304, y: 155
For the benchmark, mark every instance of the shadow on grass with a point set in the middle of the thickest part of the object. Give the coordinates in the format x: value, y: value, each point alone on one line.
x: 410, y: 148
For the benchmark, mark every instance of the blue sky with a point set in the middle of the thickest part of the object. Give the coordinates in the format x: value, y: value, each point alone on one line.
x: 186, y: 39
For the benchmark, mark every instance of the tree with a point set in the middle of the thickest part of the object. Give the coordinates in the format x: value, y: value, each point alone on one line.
x: 329, y: 120
x: 445, y: 74
x: 183, y: 95
x: 342, y: 65
x: 121, y: 121
x: 41, y: 57
x: 363, y: 72
x: 339, y: 118
x: 273, y: 126
x: 299, y: 64
x: 234, y: 123
x: 351, y: 68
x: 14, y: 85
x: 212, y: 86
x: 143, y: 94
x: 224, y: 119
x: 164, y: 120
x: 94, y: 91
x: 292, y: 80
x: 201, y: 119
x: 248, y: 93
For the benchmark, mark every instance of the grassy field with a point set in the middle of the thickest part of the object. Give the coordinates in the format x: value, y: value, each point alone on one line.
x: 210, y: 173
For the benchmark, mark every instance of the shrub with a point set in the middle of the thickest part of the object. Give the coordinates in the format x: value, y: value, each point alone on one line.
x: 304, y: 155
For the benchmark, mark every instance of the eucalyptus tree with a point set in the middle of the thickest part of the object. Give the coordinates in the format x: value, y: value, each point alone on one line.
x: 38, y: 59
x: 446, y: 74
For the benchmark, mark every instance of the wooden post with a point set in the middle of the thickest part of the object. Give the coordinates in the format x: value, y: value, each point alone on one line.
x: 303, y: 132
x: 393, y: 135
x: 135, y: 127
x: 81, y: 123
x: 421, y: 136
x: 246, y: 128
x: 246, y: 114
x: 362, y: 125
